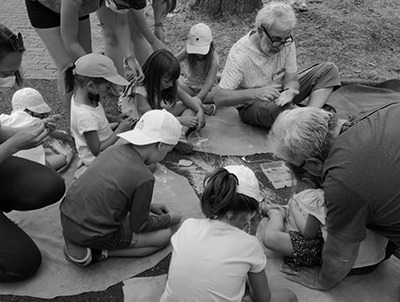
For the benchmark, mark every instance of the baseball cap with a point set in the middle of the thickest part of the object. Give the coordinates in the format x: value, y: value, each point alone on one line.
x: 199, y: 39
x: 95, y: 65
x: 31, y: 99
x: 153, y: 127
x: 248, y: 182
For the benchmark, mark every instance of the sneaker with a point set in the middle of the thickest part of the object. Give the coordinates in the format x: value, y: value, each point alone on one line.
x: 184, y: 146
x: 78, y: 255
x: 209, y: 109
x: 99, y: 255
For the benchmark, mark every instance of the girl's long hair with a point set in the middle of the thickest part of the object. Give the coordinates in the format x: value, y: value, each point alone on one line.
x: 220, y: 196
x: 192, y: 59
x: 160, y: 63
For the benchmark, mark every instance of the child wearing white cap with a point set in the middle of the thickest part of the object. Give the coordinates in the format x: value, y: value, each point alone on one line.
x: 213, y: 257
x: 96, y: 77
x: 28, y: 108
x: 107, y: 211
x: 202, y: 66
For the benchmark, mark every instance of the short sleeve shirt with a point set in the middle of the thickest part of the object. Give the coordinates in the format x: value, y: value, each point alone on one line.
x: 247, y: 67
x: 84, y: 119
x: 210, y: 262
x: 361, y: 178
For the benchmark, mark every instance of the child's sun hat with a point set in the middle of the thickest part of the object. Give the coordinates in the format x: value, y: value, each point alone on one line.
x: 199, y: 39
x: 29, y: 98
x: 95, y: 65
x: 153, y: 127
x: 248, y: 182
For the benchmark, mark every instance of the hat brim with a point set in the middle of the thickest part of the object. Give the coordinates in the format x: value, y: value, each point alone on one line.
x: 201, y: 50
x: 118, y: 80
x: 42, y: 108
x: 136, y: 138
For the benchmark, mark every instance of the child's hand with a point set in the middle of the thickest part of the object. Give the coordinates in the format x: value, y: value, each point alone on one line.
x: 124, y: 126
x: 50, y: 123
x: 201, y: 119
x: 175, y: 219
x: 189, y: 121
x: 286, y: 97
x: 158, y: 208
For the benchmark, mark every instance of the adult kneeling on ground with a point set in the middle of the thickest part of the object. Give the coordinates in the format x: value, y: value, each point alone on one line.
x: 24, y: 185
x: 358, y: 165
x: 260, y: 76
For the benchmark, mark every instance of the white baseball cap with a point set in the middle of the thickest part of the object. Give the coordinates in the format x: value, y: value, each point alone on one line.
x: 248, y: 182
x: 153, y: 127
x: 31, y: 99
x: 95, y: 65
x: 199, y: 39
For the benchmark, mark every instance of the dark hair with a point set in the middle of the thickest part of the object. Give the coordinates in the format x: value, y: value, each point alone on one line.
x: 9, y: 43
x: 220, y: 196
x: 160, y: 63
x: 70, y: 79
x: 193, y: 61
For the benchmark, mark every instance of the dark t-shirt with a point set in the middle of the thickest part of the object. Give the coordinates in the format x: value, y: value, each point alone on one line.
x: 361, y: 178
x: 115, y: 187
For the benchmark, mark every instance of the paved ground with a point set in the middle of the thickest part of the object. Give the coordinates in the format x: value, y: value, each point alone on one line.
x: 37, y: 62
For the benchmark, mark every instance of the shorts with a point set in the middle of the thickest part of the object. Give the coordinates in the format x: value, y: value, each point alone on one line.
x: 306, y: 252
x: 124, y: 238
x: 42, y: 17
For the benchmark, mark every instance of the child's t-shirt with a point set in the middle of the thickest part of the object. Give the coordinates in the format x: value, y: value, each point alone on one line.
x: 210, y: 262
x: 197, y: 74
x: 312, y: 202
x: 84, y: 119
x: 24, y: 119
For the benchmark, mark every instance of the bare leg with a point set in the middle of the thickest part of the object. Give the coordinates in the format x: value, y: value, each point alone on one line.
x: 319, y: 97
x: 51, y: 37
x: 141, y: 46
x: 112, y: 48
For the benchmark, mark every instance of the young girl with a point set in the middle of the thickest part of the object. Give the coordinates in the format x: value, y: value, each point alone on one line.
x: 202, y: 62
x: 212, y: 258
x: 96, y: 77
x: 159, y: 90
x: 301, y: 239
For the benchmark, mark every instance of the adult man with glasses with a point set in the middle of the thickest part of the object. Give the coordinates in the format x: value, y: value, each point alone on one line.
x: 260, y: 77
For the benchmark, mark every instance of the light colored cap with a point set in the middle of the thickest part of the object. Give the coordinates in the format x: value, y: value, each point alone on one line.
x: 153, y: 127
x: 199, y: 39
x: 31, y: 99
x: 248, y: 182
x: 95, y: 65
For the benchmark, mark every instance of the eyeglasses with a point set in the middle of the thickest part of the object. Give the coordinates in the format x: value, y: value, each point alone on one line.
x: 275, y: 43
x: 15, y: 41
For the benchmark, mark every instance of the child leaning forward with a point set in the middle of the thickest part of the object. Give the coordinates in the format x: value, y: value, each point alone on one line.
x: 107, y: 211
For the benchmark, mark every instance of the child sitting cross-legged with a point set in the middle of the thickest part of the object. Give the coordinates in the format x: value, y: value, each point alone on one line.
x: 212, y: 258
x: 107, y: 211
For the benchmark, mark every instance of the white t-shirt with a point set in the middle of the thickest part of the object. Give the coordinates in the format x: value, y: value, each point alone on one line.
x: 247, y: 67
x: 84, y: 119
x: 372, y: 248
x: 210, y: 262
x: 24, y: 119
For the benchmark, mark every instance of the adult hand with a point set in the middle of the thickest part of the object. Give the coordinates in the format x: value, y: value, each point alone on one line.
x: 306, y: 276
x: 135, y: 69
x: 30, y: 138
x: 175, y: 219
x: 189, y: 121
x: 286, y: 97
x: 266, y: 93
x: 159, y: 208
